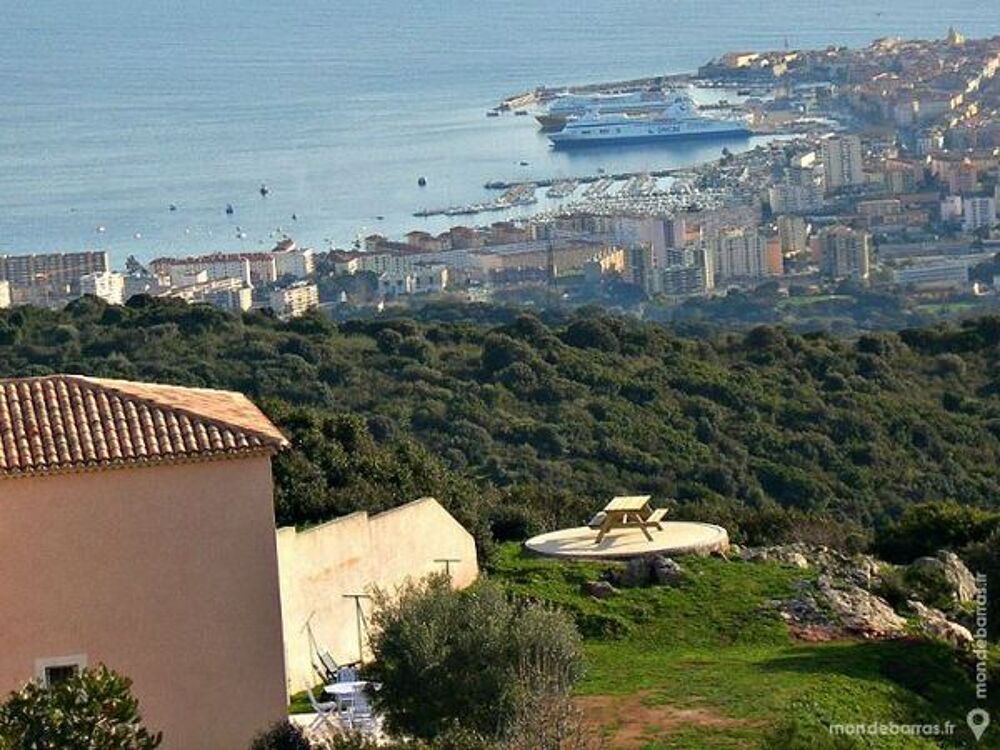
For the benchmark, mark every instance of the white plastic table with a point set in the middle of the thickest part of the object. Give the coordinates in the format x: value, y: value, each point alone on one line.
x: 344, y: 689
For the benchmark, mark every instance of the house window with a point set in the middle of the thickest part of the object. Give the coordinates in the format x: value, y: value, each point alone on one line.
x: 52, y: 671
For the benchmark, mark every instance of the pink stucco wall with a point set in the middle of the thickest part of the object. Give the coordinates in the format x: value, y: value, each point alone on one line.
x: 167, y: 574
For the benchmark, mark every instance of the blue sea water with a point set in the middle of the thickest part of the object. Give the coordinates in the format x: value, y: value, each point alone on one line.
x: 112, y: 110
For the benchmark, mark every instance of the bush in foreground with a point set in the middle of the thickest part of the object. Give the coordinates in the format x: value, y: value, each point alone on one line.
x: 467, y: 660
x: 282, y: 735
x: 93, y: 710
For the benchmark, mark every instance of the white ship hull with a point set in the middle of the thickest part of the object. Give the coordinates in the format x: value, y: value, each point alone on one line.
x: 591, y: 133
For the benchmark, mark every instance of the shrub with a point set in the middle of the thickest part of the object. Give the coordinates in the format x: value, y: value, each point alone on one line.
x: 928, y: 527
x: 93, y: 710
x: 282, y: 735
x: 461, y: 660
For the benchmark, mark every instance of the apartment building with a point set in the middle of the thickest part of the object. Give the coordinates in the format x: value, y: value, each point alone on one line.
x: 843, y: 162
x: 106, y: 285
x: 844, y: 253
x: 252, y: 268
x: 740, y: 254
x: 978, y: 213
x: 793, y: 234
x: 421, y: 280
x: 54, y: 270
x: 295, y: 300
x: 933, y: 276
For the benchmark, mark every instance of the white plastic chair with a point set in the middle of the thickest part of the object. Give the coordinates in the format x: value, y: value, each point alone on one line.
x: 327, y: 716
x: 363, y: 718
x: 347, y: 674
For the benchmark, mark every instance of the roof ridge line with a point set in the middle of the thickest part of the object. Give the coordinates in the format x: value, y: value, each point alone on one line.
x: 218, y: 423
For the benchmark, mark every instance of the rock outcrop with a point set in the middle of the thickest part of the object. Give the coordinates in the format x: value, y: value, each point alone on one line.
x: 598, y: 589
x: 934, y: 623
x: 657, y: 570
x: 950, y: 567
x: 842, y: 600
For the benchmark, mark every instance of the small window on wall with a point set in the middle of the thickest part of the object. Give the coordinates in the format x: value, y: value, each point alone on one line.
x: 52, y: 671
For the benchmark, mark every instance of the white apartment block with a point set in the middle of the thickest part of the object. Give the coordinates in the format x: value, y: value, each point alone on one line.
x: 295, y: 300
x: 843, y: 162
x: 979, y: 213
x: 933, y: 276
x: 795, y: 199
x: 297, y: 262
x: 422, y: 280
x: 229, y: 294
x: 739, y: 254
x: 844, y: 253
x: 106, y: 285
x: 793, y: 234
x: 4, y: 295
x: 253, y: 268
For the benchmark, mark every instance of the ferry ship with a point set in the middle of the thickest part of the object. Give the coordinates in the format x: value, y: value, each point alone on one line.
x: 681, y: 120
x: 568, y: 106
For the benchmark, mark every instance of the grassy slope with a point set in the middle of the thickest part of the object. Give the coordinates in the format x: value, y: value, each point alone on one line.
x: 713, y: 644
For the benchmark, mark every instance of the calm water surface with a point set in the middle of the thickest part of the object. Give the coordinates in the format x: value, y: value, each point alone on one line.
x: 112, y: 110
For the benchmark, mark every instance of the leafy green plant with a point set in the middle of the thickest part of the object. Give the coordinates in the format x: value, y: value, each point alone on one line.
x: 93, y: 710
x: 464, y: 660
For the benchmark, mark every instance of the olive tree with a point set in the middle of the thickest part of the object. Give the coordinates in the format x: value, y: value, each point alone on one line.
x: 451, y: 660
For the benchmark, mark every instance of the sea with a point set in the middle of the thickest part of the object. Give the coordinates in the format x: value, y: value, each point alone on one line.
x: 114, y: 111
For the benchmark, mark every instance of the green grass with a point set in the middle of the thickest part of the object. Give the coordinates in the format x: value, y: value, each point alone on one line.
x: 715, y: 645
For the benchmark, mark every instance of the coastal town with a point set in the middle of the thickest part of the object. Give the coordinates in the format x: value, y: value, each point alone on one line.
x: 662, y: 446
x: 882, y: 168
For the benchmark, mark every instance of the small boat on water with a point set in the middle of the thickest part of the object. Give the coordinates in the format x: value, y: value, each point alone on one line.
x: 264, y: 190
x: 229, y: 209
x: 422, y: 181
x: 492, y: 113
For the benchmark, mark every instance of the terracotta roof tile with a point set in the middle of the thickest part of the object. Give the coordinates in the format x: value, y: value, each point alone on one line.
x: 72, y: 422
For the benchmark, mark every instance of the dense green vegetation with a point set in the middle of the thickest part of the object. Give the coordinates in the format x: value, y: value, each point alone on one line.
x: 476, y: 661
x: 850, y: 308
x: 92, y: 710
x: 517, y: 422
x: 708, y: 664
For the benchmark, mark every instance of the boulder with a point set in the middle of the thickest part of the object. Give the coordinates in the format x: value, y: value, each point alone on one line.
x: 666, y: 572
x: 956, y: 572
x: 934, y: 623
x: 598, y: 589
x: 782, y: 554
x: 860, y: 611
x: 953, y: 570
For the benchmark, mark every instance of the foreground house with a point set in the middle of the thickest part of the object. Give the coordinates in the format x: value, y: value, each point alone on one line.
x: 137, y: 530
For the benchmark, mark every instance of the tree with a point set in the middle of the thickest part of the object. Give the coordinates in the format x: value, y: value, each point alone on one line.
x: 93, y: 710
x: 452, y: 660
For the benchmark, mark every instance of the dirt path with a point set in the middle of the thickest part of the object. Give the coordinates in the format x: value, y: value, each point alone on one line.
x: 630, y: 721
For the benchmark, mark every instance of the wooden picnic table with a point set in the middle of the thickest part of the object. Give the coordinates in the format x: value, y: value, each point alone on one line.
x: 628, y: 512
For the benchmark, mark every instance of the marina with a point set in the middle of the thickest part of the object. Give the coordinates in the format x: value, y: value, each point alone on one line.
x: 523, y: 193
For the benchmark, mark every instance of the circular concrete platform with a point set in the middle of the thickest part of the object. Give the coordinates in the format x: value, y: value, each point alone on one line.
x: 676, y: 538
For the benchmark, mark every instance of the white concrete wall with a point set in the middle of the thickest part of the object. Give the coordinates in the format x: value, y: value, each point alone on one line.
x: 351, y: 555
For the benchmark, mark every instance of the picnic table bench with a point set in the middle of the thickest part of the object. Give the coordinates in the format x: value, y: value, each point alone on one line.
x: 628, y: 512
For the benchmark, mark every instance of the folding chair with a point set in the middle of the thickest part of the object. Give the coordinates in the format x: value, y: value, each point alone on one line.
x: 327, y: 716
